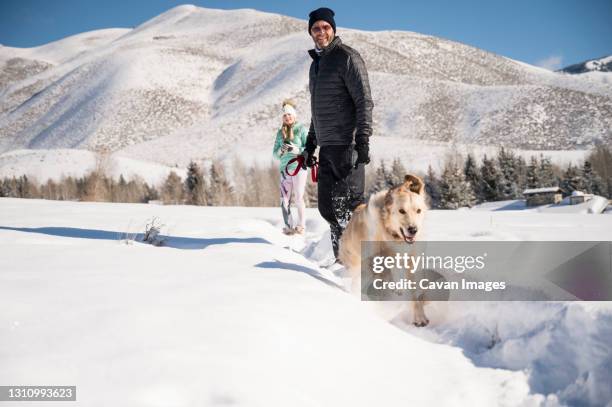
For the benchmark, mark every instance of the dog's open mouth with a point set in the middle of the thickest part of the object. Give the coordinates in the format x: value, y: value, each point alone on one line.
x: 408, y: 237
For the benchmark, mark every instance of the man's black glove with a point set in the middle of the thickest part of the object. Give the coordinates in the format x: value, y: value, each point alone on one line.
x: 363, y: 154
x: 309, y: 159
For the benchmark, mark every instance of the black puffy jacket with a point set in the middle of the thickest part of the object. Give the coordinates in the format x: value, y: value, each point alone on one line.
x: 340, y: 98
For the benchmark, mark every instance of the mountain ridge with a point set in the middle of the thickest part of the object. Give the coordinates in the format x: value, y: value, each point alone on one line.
x: 603, y: 64
x: 190, y: 82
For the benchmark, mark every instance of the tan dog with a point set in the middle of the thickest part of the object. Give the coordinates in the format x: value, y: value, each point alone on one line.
x: 394, y: 215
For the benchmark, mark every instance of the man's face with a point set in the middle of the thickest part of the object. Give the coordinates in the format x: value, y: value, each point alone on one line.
x: 322, y: 33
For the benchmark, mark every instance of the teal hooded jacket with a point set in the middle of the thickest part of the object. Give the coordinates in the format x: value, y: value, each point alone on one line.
x: 300, y: 133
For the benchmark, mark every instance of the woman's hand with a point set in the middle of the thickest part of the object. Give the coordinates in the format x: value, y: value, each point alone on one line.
x: 287, y: 147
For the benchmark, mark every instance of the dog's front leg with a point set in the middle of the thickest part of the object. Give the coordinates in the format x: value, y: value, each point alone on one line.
x: 418, y: 312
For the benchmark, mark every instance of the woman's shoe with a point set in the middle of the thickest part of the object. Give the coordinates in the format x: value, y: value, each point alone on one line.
x: 288, y: 231
x: 299, y: 230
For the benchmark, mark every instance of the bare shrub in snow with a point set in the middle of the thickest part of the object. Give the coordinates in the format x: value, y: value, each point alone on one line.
x: 152, y: 233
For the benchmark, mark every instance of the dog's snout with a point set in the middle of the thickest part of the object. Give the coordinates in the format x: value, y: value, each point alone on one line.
x: 413, y: 230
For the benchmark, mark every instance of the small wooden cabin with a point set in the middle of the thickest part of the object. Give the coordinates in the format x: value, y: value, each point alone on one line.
x: 542, y: 196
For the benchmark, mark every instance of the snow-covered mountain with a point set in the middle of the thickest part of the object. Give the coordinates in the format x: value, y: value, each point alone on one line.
x: 592, y: 65
x: 196, y: 83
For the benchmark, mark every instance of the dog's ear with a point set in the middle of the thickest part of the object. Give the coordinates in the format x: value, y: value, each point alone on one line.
x: 413, y: 183
x: 389, y: 198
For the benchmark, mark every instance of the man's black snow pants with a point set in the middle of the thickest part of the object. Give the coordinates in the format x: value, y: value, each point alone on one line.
x: 341, y: 188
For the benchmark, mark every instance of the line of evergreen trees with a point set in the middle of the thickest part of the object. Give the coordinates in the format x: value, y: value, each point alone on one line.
x: 462, y: 182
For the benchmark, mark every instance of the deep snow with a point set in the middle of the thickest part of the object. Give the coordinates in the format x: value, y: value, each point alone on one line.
x: 226, y: 314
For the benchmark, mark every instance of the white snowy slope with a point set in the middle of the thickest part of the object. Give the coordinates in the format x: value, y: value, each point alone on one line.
x: 226, y: 314
x: 60, y: 51
x: 21, y: 63
x: 197, y: 83
x: 42, y: 165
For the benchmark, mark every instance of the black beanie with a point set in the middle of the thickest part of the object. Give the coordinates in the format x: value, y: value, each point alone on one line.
x: 323, y: 13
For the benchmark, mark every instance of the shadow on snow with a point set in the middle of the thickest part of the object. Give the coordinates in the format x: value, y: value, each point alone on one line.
x: 176, y: 242
x: 276, y: 264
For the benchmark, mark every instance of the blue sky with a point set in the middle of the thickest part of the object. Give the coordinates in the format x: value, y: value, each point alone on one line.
x: 549, y: 33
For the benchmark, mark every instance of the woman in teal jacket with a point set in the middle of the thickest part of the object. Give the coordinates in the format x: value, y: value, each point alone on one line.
x: 290, y: 142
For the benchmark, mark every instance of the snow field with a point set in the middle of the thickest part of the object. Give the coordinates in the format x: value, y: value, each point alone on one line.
x: 226, y: 314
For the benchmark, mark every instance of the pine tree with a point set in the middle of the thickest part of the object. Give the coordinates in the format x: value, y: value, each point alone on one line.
x: 521, y: 170
x: 383, y: 179
x: 119, y: 192
x: 455, y: 191
x: 488, y: 180
x: 5, y: 188
x: 571, y: 180
x: 398, y: 172
x: 23, y: 187
x: 546, y: 174
x: 533, y: 174
x: 507, y: 187
x: 432, y: 188
x: 195, y: 186
x: 472, y: 176
x: 150, y: 193
x: 590, y: 181
x: 601, y: 158
x: 81, y: 188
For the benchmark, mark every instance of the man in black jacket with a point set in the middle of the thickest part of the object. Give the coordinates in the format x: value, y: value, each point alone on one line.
x: 341, y: 123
